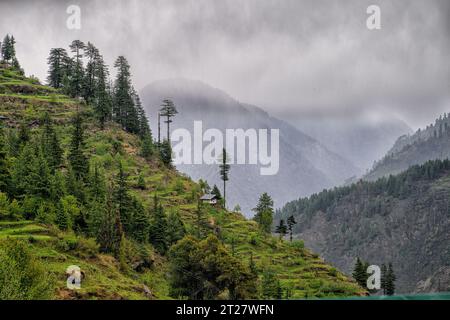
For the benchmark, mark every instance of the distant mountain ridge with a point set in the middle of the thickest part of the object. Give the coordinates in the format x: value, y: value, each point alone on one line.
x: 306, y: 166
x: 403, y: 219
x: 431, y: 143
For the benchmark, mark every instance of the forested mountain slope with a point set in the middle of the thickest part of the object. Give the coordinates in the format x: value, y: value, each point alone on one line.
x: 431, y: 143
x: 403, y: 219
x: 79, y: 189
x: 305, y: 165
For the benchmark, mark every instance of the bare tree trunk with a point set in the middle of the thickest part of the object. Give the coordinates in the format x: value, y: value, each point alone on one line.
x: 159, y: 128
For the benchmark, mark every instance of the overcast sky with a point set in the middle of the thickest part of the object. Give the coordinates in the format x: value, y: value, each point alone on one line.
x: 294, y: 58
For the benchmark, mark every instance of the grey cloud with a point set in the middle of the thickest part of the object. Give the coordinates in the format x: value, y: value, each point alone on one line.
x: 294, y: 58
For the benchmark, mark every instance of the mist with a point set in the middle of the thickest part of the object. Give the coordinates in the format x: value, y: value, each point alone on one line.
x: 296, y: 59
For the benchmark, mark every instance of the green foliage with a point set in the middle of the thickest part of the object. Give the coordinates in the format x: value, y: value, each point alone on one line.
x: 158, y: 228
x: 215, y: 191
x: 264, y: 212
x: 4, y: 171
x: 147, y: 148
x: 270, y: 286
x: 175, y: 227
x: 100, y: 204
x: 389, y: 280
x: 281, y: 229
x: 22, y: 277
x: 290, y: 225
x: 360, y: 273
x: 8, y: 50
x: 205, y: 269
x: 77, y: 159
x: 4, y: 206
x: 224, y: 172
x: 59, y: 67
x: 141, y: 182
x: 165, y: 153
x: 50, y: 145
x: 169, y: 111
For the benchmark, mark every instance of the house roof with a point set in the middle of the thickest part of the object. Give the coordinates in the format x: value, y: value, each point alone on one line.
x: 208, y: 196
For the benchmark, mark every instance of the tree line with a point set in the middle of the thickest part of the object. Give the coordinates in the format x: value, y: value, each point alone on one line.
x: 387, y: 277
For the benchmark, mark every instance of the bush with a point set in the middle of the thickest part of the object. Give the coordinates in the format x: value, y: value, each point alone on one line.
x: 86, y: 248
x: 254, y: 239
x: 22, y: 276
x: 298, y: 244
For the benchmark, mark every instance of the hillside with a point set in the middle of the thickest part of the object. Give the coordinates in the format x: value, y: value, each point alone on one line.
x: 305, y: 165
x: 140, y: 271
x: 431, y: 143
x: 403, y: 219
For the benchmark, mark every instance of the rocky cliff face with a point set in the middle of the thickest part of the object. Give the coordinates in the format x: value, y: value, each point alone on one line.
x: 405, y: 221
x: 437, y: 282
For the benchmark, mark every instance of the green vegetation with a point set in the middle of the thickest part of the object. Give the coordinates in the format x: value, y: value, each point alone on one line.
x: 81, y: 188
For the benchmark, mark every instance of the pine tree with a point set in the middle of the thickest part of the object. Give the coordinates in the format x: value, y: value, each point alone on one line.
x: 224, y: 171
x: 141, y: 223
x: 5, y: 177
x: 264, y: 212
x: 269, y: 285
x: 147, y: 147
x: 144, y: 128
x: 383, y: 278
x: 124, y: 111
x: 215, y: 191
x: 78, y: 161
x: 123, y: 200
x: 89, y: 82
x: 291, y: 222
x: 200, y: 220
x: 102, y: 97
x: 158, y: 229
x: 281, y: 229
x: 175, y: 228
x: 62, y: 220
x: 16, y: 65
x: 77, y: 72
x: 8, y: 49
x: 97, y: 185
x: 39, y: 177
x: 165, y: 153
x: 50, y: 143
x: 21, y: 170
x: 390, y: 280
x: 359, y: 273
x: 5, y: 48
x: 58, y: 68
x: 13, y: 145
x: 24, y: 133
x: 169, y: 111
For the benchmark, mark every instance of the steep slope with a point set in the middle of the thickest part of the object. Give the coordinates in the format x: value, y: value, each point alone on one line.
x: 431, y: 143
x: 402, y: 219
x: 303, y: 272
x: 305, y: 166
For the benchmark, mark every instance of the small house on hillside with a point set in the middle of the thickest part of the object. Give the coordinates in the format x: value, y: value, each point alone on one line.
x: 209, y: 198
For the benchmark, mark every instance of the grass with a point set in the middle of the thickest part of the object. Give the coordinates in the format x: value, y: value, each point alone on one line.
x: 298, y: 269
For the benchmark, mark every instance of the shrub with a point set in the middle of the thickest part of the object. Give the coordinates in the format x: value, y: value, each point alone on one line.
x: 254, y: 239
x: 22, y: 276
x: 298, y: 244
